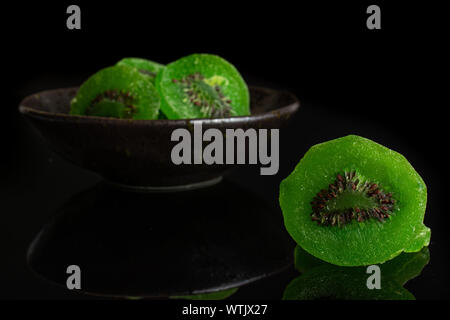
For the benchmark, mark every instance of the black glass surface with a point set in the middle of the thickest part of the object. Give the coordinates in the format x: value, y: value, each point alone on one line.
x: 385, y: 85
x: 162, y: 244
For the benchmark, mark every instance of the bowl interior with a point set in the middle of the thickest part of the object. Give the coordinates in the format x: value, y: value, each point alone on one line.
x: 262, y: 100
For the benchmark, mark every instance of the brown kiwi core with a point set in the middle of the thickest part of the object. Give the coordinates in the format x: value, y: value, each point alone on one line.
x: 209, y: 99
x: 113, y: 103
x: 348, y: 199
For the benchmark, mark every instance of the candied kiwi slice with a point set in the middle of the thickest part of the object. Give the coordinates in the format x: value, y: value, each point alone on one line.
x: 352, y: 202
x: 119, y: 92
x: 202, y: 86
x: 144, y: 66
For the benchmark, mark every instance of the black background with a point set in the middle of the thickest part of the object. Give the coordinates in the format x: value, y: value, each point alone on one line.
x: 382, y: 84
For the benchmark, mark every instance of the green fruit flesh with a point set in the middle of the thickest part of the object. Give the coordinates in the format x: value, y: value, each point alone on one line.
x: 144, y: 66
x: 202, y: 86
x: 357, y: 242
x: 119, y: 92
x: 109, y: 108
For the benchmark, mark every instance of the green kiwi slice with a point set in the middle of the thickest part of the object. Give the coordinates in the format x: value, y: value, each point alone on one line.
x: 352, y: 202
x: 202, y: 86
x: 119, y: 92
x: 146, y: 67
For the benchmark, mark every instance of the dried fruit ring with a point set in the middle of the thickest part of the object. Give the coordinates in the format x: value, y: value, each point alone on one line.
x: 202, y: 86
x: 120, y: 92
x: 351, y: 201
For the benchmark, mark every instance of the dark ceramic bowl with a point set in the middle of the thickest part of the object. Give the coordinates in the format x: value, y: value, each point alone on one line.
x: 136, y: 153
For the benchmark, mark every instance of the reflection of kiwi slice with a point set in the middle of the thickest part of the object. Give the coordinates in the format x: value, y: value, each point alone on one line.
x: 329, y: 282
x: 219, y: 295
x: 402, y: 268
x: 147, y: 67
x: 351, y: 201
x: 406, y: 266
x: 202, y: 86
x: 118, y: 92
x: 304, y: 261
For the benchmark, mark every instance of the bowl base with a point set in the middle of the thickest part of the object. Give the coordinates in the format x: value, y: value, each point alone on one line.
x: 159, y: 189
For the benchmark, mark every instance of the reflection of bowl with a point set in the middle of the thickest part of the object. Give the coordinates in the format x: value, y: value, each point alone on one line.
x: 137, y: 152
x: 148, y: 245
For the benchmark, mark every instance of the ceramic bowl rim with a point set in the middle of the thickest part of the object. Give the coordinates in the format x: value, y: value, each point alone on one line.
x: 24, y: 109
